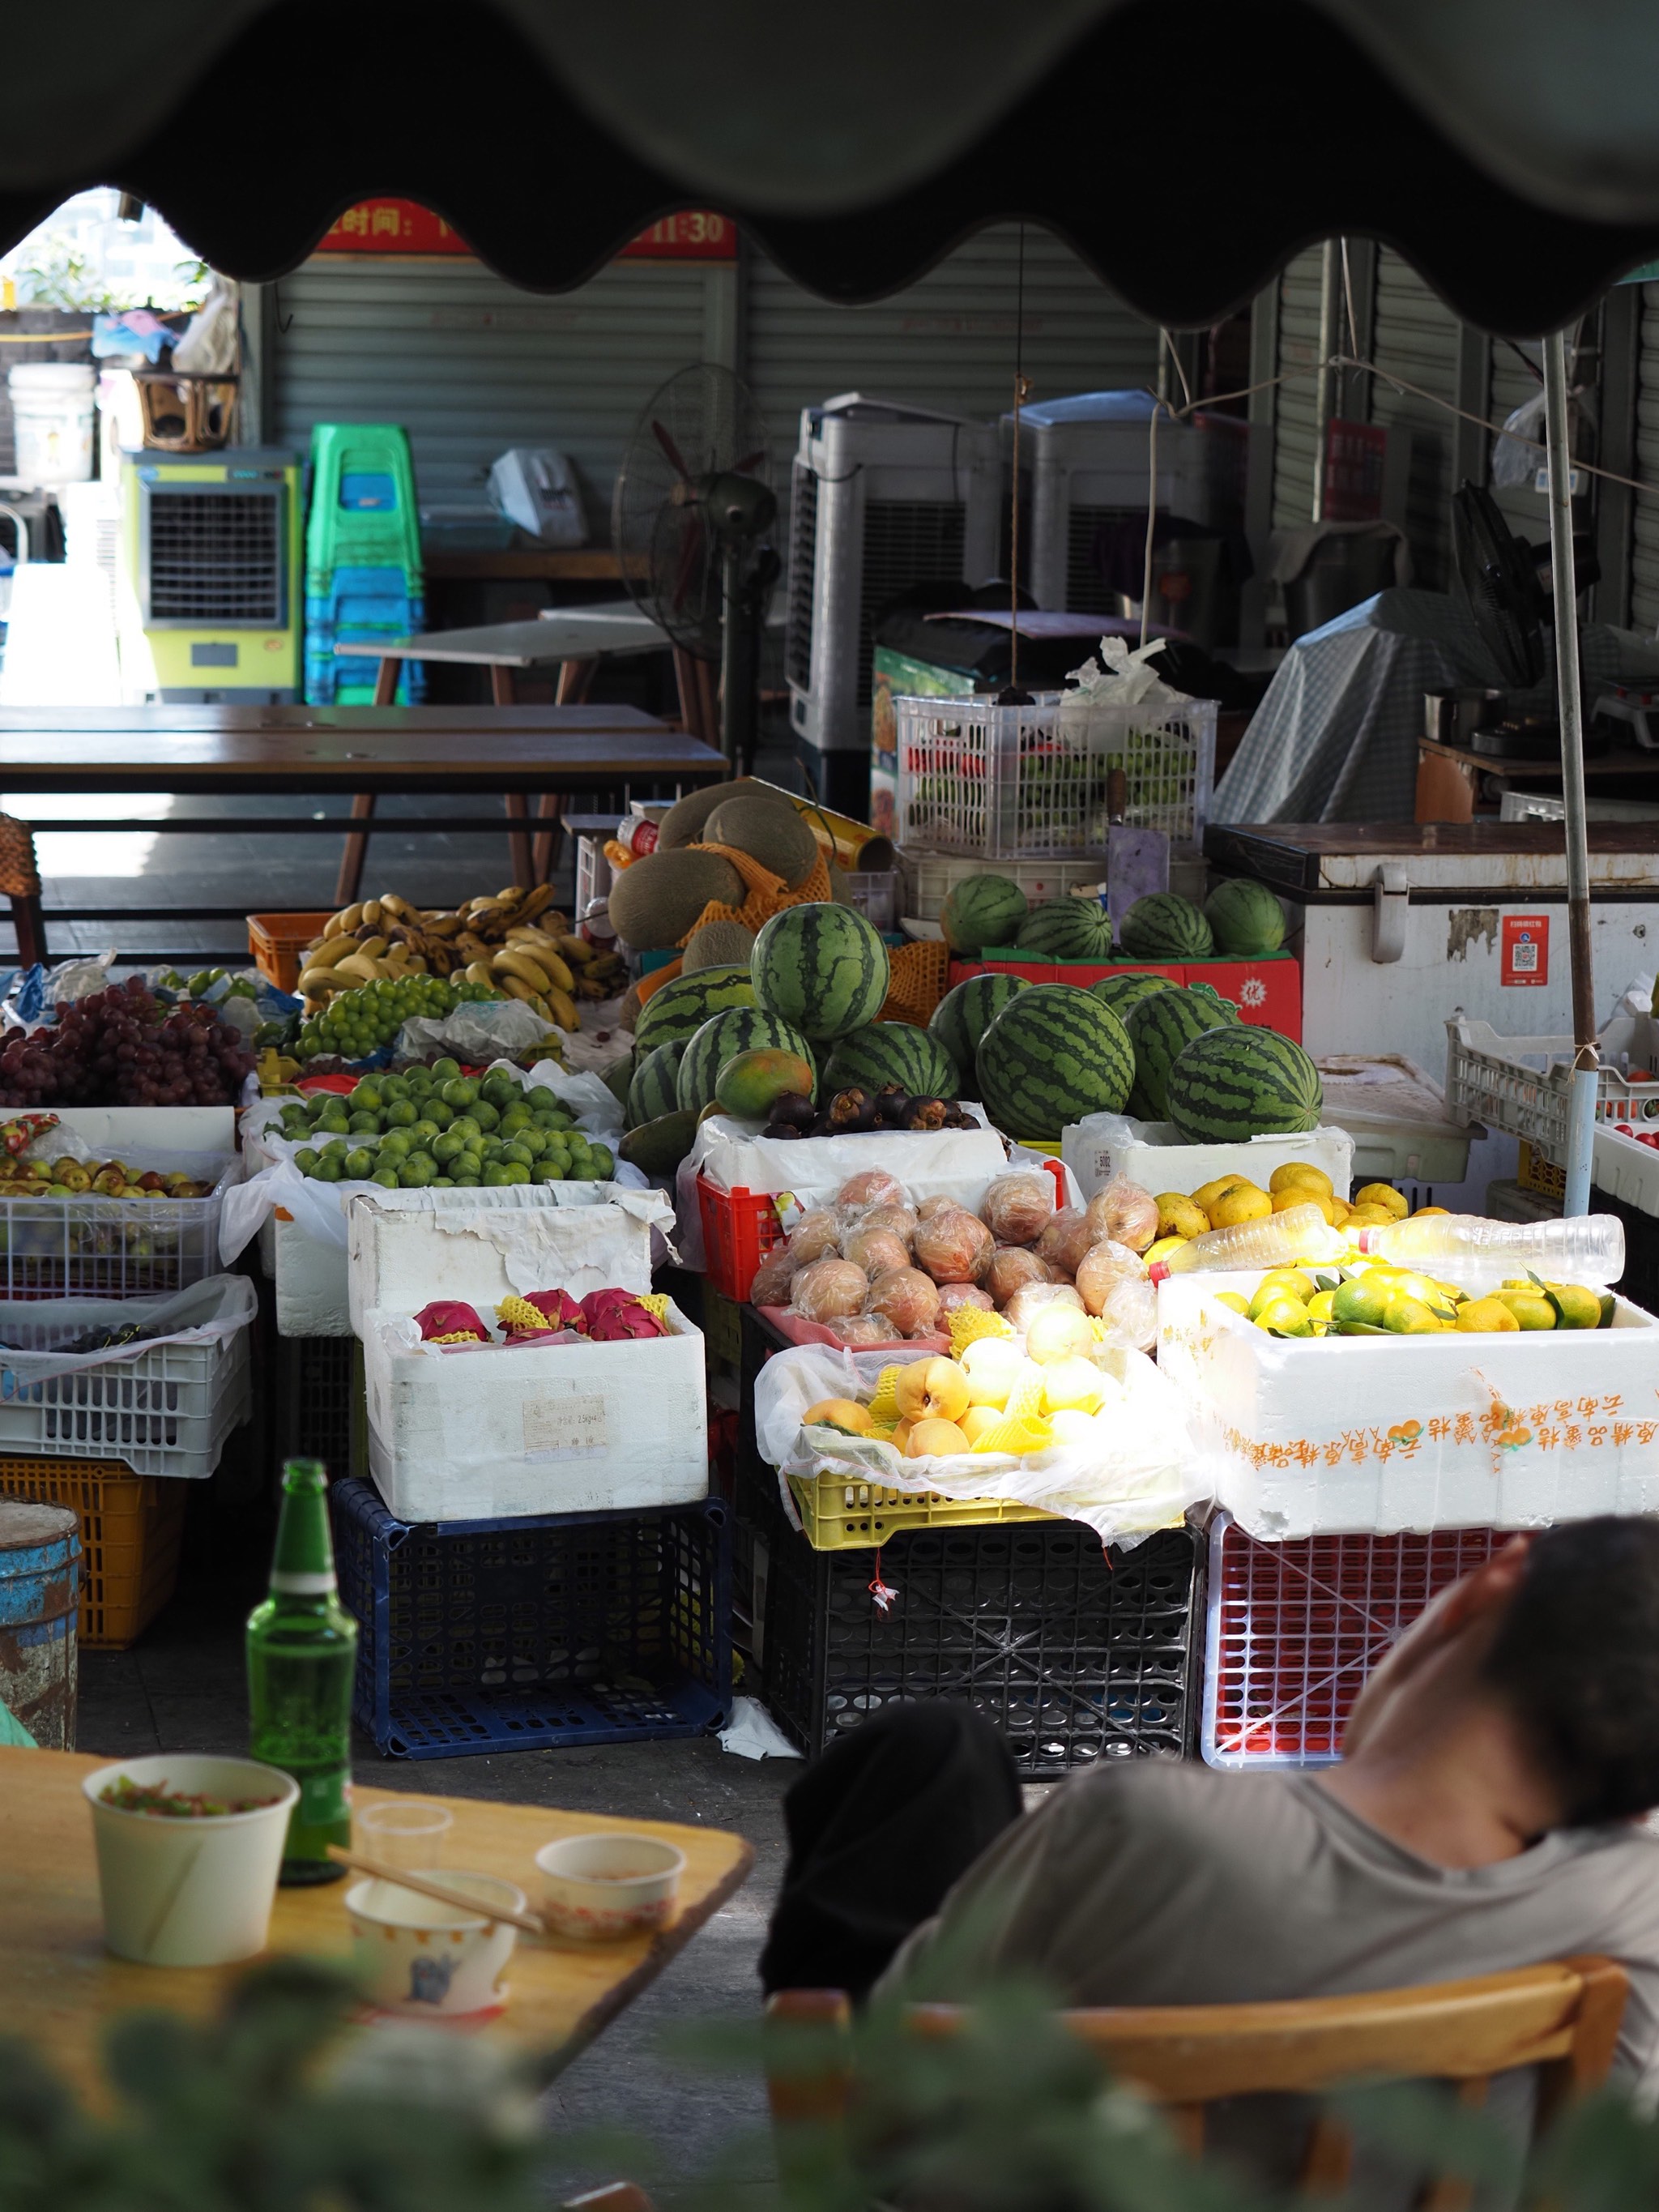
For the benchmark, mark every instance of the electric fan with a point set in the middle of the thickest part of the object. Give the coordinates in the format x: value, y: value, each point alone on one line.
x: 690, y: 521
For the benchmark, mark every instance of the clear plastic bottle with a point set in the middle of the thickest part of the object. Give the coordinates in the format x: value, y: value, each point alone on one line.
x: 1588, y: 1249
x: 1300, y: 1232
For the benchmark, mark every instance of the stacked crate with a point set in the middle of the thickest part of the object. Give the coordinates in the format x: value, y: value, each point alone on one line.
x: 364, y: 580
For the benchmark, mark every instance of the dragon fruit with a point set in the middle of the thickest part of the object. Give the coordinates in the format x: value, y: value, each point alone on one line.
x: 613, y: 1315
x: 450, y: 1321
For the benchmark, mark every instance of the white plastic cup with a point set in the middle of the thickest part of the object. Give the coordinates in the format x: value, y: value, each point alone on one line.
x: 190, y: 1892
x: 599, y: 1888
x: 54, y: 413
x: 405, y: 1832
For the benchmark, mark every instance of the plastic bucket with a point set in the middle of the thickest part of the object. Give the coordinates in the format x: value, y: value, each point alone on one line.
x: 40, y: 1557
x: 53, y: 416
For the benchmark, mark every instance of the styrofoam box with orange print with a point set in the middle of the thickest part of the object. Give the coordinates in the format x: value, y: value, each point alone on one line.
x: 1348, y: 1434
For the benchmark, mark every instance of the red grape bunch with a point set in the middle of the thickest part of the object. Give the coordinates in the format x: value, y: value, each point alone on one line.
x: 121, y: 1047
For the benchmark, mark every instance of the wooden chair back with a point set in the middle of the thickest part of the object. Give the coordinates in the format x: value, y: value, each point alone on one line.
x: 1561, y: 2018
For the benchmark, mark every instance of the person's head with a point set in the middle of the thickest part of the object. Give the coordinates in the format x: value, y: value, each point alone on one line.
x: 1555, y: 1640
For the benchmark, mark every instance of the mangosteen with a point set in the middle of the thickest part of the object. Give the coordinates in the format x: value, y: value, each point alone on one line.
x: 796, y: 1110
x: 923, y: 1114
x: 851, y: 1110
x: 892, y: 1101
x: 782, y: 1129
x: 824, y: 1127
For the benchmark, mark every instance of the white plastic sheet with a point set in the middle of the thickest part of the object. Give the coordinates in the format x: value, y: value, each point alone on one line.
x: 1137, y: 1477
x: 32, y: 1330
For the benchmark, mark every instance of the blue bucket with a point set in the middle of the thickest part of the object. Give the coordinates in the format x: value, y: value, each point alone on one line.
x: 39, y: 1588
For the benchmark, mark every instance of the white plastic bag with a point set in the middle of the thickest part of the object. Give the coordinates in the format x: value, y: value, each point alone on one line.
x: 33, y: 1331
x: 1134, y: 1479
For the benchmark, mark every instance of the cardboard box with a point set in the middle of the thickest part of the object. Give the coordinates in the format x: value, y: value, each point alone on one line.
x: 1376, y: 1434
x: 1267, y: 990
x: 1153, y: 1154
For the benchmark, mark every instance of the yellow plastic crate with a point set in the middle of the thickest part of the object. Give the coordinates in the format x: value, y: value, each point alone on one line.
x: 840, y: 1514
x: 131, y: 1526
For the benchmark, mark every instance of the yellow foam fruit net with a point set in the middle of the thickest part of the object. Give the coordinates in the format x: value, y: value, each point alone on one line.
x: 1017, y: 1437
x: 968, y: 1323
x: 765, y: 894
x: 883, y: 1406
x: 1025, y: 1399
x: 518, y: 1313
x: 656, y: 1303
x: 456, y: 1336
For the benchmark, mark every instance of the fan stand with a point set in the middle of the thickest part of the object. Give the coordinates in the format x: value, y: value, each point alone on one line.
x: 745, y: 594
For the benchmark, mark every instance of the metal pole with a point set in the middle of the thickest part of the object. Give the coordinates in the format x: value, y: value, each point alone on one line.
x: 1330, y: 283
x: 1580, y: 1125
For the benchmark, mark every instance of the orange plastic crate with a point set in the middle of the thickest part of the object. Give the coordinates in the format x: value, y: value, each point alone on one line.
x: 276, y: 940
x: 132, y: 1526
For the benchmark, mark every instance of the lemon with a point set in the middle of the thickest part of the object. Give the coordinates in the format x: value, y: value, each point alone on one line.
x: 1296, y: 1280
x: 1363, y: 1301
x: 1236, y: 1299
x: 1422, y: 1210
x: 1531, y: 1308
x: 1479, y: 1315
x: 1300, y: 1171
x: 1246, y: 1203
x: 1580, y: 1308
x: 1206, y: 1196
x: 1404, y: 1316
x: 1368, y: 1217
x: 1178, y: 1216
x: 1161, y: 1248
x: 1393, y: 1202
x: 1289, y: 1316
x: 1302, y: 1194
x: 1320, y: 1305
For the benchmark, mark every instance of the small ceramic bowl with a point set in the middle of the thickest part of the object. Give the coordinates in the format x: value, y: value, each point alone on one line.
x: 426, y: 1960
x: 600, y: 1887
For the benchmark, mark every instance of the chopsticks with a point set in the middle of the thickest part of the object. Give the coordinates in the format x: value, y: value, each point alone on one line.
x: 423, y: 1886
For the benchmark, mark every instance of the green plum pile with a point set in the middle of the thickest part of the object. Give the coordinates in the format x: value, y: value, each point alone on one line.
x: 434, y: 1128
x: 356, y: 1023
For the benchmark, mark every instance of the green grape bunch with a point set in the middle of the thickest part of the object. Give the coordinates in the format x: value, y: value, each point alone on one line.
x: 356, y: 1023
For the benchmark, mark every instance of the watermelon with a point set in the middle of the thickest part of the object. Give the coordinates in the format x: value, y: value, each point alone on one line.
x: 1120, y: 992
x: 1245, y: 919
x: 891, y: 1052
x: 1236, y: 1082
x: 652, y: 1091
x: 1160, y: 1028
x: 964, y: 1014
x: 678, y: 1009
x: 1166, y: 926
x: 1052, y: 1055
x: 821, y: 968
x: 1067, y: 929
x: 982, y: 910
x: 722, y: 1037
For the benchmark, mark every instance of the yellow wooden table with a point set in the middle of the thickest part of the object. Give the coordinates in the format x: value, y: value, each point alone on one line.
x: 59, y: 1987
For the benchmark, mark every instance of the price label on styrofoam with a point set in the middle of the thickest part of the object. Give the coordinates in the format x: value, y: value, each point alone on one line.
x: 557, y: 1426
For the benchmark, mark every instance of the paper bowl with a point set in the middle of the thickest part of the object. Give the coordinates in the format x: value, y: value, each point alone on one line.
x: 427, y: 1960
x: 181, y: 1893
x: 599, y: 1888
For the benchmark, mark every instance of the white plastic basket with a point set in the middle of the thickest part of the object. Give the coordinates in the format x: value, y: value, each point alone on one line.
x: 163, y: 1408
x: 930, y: 878
x: 89, y: 1246
x: 1003, y: 781
x: 1521, y: 1085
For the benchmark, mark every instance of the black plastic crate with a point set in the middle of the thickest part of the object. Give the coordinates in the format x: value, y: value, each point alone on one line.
x: 314, y: 1396
x: 531, y: 1633
x: 1640, y: 1281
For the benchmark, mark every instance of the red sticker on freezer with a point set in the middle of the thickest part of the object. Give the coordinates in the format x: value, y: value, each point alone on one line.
x: 1526, y: 948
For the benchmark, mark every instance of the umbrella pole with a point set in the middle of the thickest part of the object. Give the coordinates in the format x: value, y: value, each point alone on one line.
x: 1580, y: 1111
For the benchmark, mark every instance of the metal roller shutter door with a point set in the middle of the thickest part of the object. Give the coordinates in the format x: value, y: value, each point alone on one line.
x: 1527, y: 511
x: 1296, y: 401
x: 471, y: 365
x: 1416, y: 336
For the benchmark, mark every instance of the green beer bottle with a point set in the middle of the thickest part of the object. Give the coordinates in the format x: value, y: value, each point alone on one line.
x: 301, y: 1654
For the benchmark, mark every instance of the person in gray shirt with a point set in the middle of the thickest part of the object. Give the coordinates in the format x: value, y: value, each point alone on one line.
x: 1486, y: 1813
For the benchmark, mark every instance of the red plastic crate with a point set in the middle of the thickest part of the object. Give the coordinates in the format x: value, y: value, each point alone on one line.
x: 1295, y: 1630
x: 739, y: 1228
x: 1267, y: 991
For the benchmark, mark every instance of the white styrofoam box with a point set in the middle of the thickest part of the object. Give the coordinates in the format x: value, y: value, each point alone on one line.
x: 933, y: 1163
x: 1345, y: 1435
x: 467, y: 1435
x: 1626, y: 1169
x: 1153, y: 1154
x: 930, y: 878
x: 405, y: 1248
x: 124, y: 1132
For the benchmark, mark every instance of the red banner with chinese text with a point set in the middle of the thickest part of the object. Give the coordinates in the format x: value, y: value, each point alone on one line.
x: 394, y: 226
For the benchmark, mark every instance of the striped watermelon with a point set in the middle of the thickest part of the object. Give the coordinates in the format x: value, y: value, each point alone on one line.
x: 653, y: 1089
x: 740, y: 1029
x: 891, y: 1052
x: 1166, y: 926
x: 1161, y: 1028
x: 1236, y: 1082
x: 678, y: 1009
x: 1067, y: 929
x: 963, y: 1016
x: 821, y: 968
x: 980, y: 911
x: 1052, y: 1055
x: 1245, y: 918
x: 1120, y: 992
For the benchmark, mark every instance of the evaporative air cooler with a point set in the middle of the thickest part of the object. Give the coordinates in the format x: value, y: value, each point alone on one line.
x: 208, y: 600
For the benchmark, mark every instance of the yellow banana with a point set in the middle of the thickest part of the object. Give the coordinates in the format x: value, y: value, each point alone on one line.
x: 512, y: 961
x: 576, y: 949
x: 477, y: 971
x: 330, y: 950
x: 360, y: 970
x: 372, y: 948
x: 319, y: 982
x: 542, y: 957
x: 537, y: 902
x: 442, y: 925
x: 390, y: 904
x: 512, y: 896
x: 346, y: 920
x: 372, y: 913
x: 564, y: 1009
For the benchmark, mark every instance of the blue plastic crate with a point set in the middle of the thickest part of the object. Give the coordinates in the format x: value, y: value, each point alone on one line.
x: 330, y: 682
x: 377, y: 598
x: 535, y: 1633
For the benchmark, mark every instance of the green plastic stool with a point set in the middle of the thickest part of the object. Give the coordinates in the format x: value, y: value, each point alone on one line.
x: 363, y: 508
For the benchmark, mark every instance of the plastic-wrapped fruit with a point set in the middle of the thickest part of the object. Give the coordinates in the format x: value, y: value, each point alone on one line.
x: 992, y: 1364
x: 901, y: 1220
x: 1125, y: 1212
x: 934, y: 1439
x: 816, y: 1233
x: 930, y: 1206
x: 907, y: 1299
x: 874, y: 1187
x: 1102, y: 1266
x: 875, y: 1250
x: 838, y: 1413
x: 857, y: 1330
x: 1011, y: 1266
x: 1019, y: 1207
x: 978, y: 1420
x: 954, y: 1246
x: 953, y: 1295
x: 1071, y: 1382
x: 1031, y: 1299
x: 1068, y: 1237
x: 1130, y: 1313
x: 827, y: 1288
x: 1058, y: 1332
x: 928, y: 1388
x: 773, y: 1278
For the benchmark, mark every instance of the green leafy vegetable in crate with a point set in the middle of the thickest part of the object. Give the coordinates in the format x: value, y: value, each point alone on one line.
x: 435, y: 1128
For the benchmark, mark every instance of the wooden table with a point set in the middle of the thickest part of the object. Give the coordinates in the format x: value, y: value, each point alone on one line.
x: 546, y: 752
x: 1448, y: 777
x: 58, y: 1986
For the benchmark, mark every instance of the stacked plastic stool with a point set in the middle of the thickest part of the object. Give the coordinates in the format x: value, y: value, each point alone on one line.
x: 364, y: 580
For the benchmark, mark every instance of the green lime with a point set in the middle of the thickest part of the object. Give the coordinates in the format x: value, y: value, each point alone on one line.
x: 547, y: 1171
x: 496, y: 1177
x: 402, y: 1116
x: 385, y: 1178
x: 445, y: 1071
x: 445, y: 1147
x: 517, y: 1171
x: 359, y: 1165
